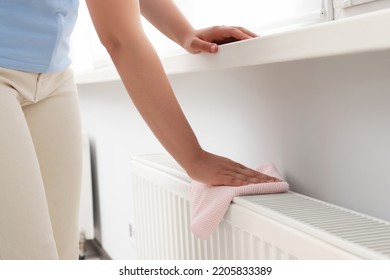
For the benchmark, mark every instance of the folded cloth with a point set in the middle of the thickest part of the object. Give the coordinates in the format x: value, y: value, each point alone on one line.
x: 209, y: 204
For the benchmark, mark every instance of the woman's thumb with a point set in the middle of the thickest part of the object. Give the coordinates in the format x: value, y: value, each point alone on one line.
x: 198, y: 45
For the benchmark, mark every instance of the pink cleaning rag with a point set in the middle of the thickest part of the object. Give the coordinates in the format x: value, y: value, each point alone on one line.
x: 209, y: 204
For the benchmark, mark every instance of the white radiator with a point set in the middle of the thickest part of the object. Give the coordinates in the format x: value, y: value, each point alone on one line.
x: 275, y: 226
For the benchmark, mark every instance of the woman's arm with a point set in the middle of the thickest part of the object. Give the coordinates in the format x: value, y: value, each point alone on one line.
x: 166, y: 17
x: 119, y: 27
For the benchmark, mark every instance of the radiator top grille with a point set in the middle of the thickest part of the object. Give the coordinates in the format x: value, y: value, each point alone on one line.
x: 331, y: 222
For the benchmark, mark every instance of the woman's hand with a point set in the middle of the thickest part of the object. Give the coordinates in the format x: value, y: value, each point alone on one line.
x: 215, y: 170
x: 208, y: 39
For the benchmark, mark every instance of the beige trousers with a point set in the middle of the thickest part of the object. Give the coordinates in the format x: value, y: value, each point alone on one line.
x: 40, y: 165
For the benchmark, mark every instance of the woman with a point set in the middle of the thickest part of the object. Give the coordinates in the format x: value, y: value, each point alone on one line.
x: 40, y: 150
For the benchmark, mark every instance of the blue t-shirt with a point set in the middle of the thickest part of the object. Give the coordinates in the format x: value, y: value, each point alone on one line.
x: 34, y: 34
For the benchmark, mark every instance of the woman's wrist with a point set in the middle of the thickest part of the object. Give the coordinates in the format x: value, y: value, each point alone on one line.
x: 194, y: 164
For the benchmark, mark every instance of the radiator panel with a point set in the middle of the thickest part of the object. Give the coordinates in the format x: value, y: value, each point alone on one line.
x: 275, y: 226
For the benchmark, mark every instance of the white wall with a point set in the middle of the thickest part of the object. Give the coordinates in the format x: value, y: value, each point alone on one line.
x: 324, y: 122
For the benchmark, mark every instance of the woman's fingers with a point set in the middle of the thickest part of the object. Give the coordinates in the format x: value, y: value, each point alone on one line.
x: 250, y: 176
x: 248, y: 32
x: 208, y: 39
x: 225, y: 34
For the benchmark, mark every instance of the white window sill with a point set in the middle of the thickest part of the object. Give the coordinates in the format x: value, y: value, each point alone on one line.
x: 359, y: 34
